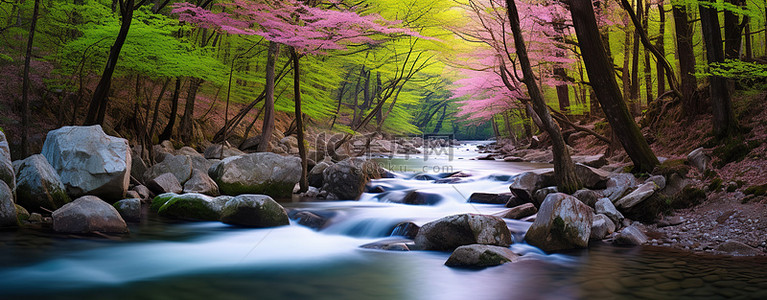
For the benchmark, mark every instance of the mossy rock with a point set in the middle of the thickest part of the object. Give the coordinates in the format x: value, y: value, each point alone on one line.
x: 689, y: 197
x: 160, y: 200
x: 21, y: 213
x: 733, y: 150
x: 757, y: 190
x: 254, y: 211
x: 715, y: 184
x: 196, y: 207
x: 672, y: 166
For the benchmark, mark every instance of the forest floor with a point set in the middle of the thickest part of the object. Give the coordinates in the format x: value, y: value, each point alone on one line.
x: 735, y: 208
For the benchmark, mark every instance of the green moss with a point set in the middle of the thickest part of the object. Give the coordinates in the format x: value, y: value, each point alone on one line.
x: 757, y: 190
x: 733, y: 150
x: 489, y: 258
x: 709, y: 173
x: 21, y: 213
x: 189, y: 208
x: 649, y: 210
x: 601, y: 126
x: 689, y: 197
x: 715, y: 185
x: 732, y: 187
x: 160, y: 200
x: 672, y: 166
x: 273, y: 189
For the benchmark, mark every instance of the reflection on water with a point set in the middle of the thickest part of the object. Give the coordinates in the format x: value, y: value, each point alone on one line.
x: 209, y: 260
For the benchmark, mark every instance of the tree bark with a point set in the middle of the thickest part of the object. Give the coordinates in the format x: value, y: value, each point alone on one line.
x: 25, y: 84
x: 747, y: 35
x: 661, y: 46
x: 732, y: 31
x: 167, y: 132
x: 636, y: 103
x: 600, y: 72
x: 303, y: 183
x: 100, y: 100
x: 186, y: 126
x: 725, y: 124
x: 563, y: 94
x: 647, y: 71
x: 686, y: 57
x: 268, y: 126
x: 564, y: 168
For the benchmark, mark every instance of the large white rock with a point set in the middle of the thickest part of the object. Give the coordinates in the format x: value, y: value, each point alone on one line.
x: 457, y: 230
x: 563, y: 222
x: 89, y: 162
x: 643, y: 192
x: 7, y: 208
x: 258, y: 173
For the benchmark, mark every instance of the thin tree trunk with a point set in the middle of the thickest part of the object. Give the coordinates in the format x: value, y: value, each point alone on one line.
x: 647, y: 67
x: 341, y: 92
x: 636, y: 102
x: 564, y: 168
x: 438, y: 126
x: 600, y: 72
x: 725, y: 124
x: 268, y: 126
x: 168, y: 131
x: 626, y: 71
x: 303, y: 183
x: 156, y: 114
x: 660, y: 45
x: 749, y: 51
x: 186, y: 126
x: 732, y: 31
x: 25, y: 84
x: 496, y: 133
x: 563, y: 94
x: 100, y: 100
x: 684, y: 49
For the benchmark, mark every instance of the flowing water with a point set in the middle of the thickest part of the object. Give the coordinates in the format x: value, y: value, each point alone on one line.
x: 161, y: 259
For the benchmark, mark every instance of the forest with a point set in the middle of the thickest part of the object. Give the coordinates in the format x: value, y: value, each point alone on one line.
x: 591, y: 123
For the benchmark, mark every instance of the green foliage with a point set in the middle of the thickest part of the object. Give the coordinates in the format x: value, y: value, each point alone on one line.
x: 715, y: 184
x: 733, y: 150
x: 757, y: 190
x: 735, y: 69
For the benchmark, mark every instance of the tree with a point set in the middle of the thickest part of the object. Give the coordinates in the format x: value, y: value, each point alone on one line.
x: 684, y: 49
x: 268, y: 127
x: 25, y: 85
x: 564, y: 169
x: 725, y: 124
x: 606, y: 88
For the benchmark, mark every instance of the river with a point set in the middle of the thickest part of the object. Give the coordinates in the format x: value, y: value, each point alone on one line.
x: 163, y: 259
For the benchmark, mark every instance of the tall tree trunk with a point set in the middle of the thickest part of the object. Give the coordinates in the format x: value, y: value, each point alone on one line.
x: 303, y: 183
x: 747, y: 35
x: 25, y: 84
x: 636, y: 103
x: 268, y: 127
x: 98, y: 105
x: 186, y: 126
x: 647, y: 70
x: 563, y: 94
x: 626, y: 79
x: 496, y: 132
x: 686, y: 57
x: 600, y: 72
x: 526, y: 125
x: 167, y: 132
x: 725, y: 124
x: 564, y: 168
x: 660, y: 45
x: 732, y: 31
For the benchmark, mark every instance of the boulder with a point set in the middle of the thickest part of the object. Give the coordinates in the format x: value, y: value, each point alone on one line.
x: 88, y: 214
x: 643, y: 192
x: 457, y: 230
x: 406, y: 229
x: 675, y: 185
x: 590, y: 177
x: 347, y: 178
x: 38, y: 185
x: 659, y: 180
x: 618, y: 184
x: 138, y: 167
x: 218, y: 151
x: 310, y: 219
x: 192, y: 207
x: 488, y: 198
x: 258, y: 173
x: 186, y: 150
x: 389, y: 244
x: 587, y: 196
x: 736, y: 248
x: 699, y: 159
x: 631, y: 235
x: 524, y: 184
x: 562, y: 223
x: 89, y: 162
x: 7, y: 173
x: 179, y: 165
x: 315, y: 176
x: 165, y: 183
x: 541, y: 194
x: 415, y: 197
x: 594, y: 161
x: 254, y: 211
x: 521, y: 211
x: 8, y: 213
x: 201, y: 183
x: 21, y: 213
x: 480, y: 256
x: 605, y: 206
x: 129, y: 209
x: 143, y: 192
x: 601, y: 227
